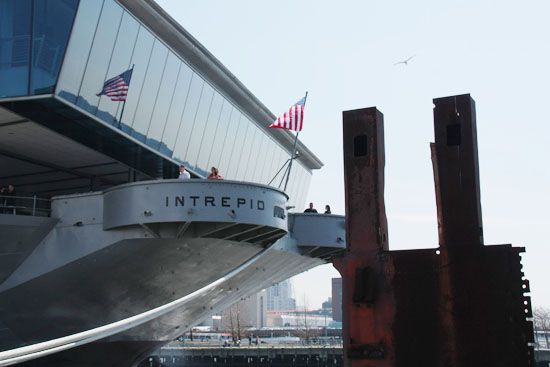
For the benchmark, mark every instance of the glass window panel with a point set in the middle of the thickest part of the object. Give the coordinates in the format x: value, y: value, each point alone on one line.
x: 229, y: 144
x: 140, y: 60
x: 261, y: 158
x: 253, y: 157
x: 271, y: 168
x: 79, y: 47
x: 209, y: 132
x: 100, y: 56
x: 270, y: 165
x: 292, y: 185
x: 267, y: 172
x: 303, y: 189
x: 281, y: 160
x: 306, y: 189
x: 234, y: 162
x: 300, y: 188
x: 220, y: 135
x: 164, y: 97
x: 201, y: 118
x: 188, y: 118
x: 52, y: 20
x: 245, y: 154
x: 15, y: 40
x: 177, y: 105
x: 120, y: 61
x: 149, y: 90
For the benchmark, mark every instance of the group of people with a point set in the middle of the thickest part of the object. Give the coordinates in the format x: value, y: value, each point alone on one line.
x: 311, y: 209
x: 185, y: 175
x: 7, y: 198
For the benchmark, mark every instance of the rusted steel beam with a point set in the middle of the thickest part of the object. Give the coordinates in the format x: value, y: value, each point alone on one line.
x: 462, y: 304
x: 368, y: 304
x: 482, y: 316
x: 456, y: 171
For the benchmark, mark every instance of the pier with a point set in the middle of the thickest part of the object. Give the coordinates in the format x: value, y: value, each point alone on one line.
x: 287, y: 356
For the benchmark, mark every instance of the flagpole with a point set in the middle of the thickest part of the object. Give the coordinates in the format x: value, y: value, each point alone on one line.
x: 293, y: 155
x: 123, y: 105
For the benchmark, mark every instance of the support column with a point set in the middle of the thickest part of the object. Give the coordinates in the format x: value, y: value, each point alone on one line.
x: 367, y: 300
x: 456, y: 172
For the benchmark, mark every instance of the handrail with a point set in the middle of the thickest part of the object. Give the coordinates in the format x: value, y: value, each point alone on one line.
x: 26, y: 353
x: 25, y: 205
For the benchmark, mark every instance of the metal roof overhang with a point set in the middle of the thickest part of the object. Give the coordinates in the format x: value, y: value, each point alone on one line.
x: 48, y: 147
x: 184, y: 44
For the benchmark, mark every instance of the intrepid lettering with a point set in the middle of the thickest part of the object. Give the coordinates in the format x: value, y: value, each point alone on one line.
x: 212, y: 201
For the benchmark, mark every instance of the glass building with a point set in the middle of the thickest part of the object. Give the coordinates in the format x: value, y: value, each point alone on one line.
x: 183, y: 106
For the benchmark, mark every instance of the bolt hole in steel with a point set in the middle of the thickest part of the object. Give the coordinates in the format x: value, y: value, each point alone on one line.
x: 360, y: 146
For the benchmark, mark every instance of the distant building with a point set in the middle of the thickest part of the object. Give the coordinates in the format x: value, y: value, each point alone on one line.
x: 279, y: 297
x: 337, y: 299
x: 248, y: 312
x: 327, y: 304
x: 299, y: 319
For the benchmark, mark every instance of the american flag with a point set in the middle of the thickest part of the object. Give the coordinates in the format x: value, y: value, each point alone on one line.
x: 116, y: 88
x: 293, y: 119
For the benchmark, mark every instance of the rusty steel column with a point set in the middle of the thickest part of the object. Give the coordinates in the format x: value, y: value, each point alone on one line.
x: 482, y: 303
x: 456, y: 171
x: 367, y: 299
x: 462, y: 304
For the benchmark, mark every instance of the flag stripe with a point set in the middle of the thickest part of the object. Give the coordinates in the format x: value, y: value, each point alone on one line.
x: 293, y: 119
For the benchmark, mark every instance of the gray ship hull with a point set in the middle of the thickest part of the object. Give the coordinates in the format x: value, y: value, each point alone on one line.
x: 141, y: 263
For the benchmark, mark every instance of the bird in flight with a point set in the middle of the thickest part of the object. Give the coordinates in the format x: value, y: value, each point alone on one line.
x: 405, y: 62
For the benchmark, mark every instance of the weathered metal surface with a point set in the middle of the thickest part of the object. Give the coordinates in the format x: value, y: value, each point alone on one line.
x: 483, y: 318
x: 368, y: 307
x: 457, y: 171
x: 462, y: 304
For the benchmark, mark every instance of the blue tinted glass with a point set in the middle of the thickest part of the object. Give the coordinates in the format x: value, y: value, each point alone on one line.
x: 209, y: 132
x: 219, y: 136
x: 201, y: 117
x: 52, y: 22
x: 163, y: 100
x: 229, y: 143
x: 238, y: 144
x: 78, y: 50
x: 149, y: 90
x: 100, y: 56
x: 15, y: 36
x: 177, y: 105
x: 140, y: 59
x: 245, y: 153
x: 188, y: 118
x: 109, y: 110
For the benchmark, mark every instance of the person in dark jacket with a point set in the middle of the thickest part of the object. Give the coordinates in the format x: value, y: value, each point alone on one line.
x: 311, y: 209
x: 10, y: 195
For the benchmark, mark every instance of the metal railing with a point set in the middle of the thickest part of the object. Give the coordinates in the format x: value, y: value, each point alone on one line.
x: 25, y: 205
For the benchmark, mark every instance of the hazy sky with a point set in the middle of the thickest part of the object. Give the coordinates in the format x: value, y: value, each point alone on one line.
x: 344, y: 52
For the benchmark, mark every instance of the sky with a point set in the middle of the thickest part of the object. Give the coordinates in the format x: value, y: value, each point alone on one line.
x: 343, y: 53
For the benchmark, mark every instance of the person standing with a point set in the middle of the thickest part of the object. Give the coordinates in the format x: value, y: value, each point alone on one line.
x: 214, y: 174
x: 327, y: 209
x: 311, y: 209
x: 184, y: 174
x: 10, y: 195
x: 2, y: 199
